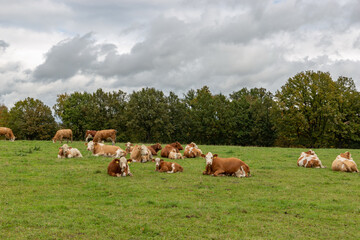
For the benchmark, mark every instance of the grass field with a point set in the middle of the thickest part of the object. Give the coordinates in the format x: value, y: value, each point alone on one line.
x: 43, y: 197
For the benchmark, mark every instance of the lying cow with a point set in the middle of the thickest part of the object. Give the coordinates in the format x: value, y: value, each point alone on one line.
x: 167, y: 149
x: 89, y: 134
x: 100, y: 149
x: 344, y: 163
x: 154, y: 148
x: 309, y: 160
x: 63, y: 133
x: 175, y: 155
x: 192, y: 151
x: 225, y: 166
x: 105, y: 135
x: 68, y: 152
x: 8, y: 133
x: 169, y: 167
x: 140, y: 154
x: 129, y: 147
x: 119, y: 167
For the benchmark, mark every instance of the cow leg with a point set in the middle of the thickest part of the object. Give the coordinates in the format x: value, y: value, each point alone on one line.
x: 216, y: 173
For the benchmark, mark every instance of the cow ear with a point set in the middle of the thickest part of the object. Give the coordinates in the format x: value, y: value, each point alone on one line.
x: 60, y: 148
x: 85, y: 144
x: 203, y: 155
x: 70, y: 147
x: 129, y: 160
x: 215, y: 155
x: 131, y: 144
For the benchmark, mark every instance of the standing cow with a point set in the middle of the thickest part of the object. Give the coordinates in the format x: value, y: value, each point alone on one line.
x: 105, y: 135
x: 89, y: 134
x: 225, y: 166
x: 63, y: 133
x: 8, y: 133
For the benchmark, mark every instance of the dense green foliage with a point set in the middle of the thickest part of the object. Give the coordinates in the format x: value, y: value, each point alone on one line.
x: 311, y: 110
x: 43, y: 197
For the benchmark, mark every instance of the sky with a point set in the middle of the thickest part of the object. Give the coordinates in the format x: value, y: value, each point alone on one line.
x: 49, y: 47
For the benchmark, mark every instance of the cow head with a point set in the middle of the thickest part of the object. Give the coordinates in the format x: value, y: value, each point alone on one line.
x: 61, y: 153
x: 144, y: 150
x: 158, y: 147
x: 54, y: 140
x: 90, y: 145
x: 346, y: 155
x: 209, y: 157
x: 157, y: 163
x: 178, y: 146
x: 124, y: 167
x: 311, y: 152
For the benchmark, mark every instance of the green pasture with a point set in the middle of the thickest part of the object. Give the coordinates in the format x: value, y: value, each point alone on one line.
x: 43, y: 197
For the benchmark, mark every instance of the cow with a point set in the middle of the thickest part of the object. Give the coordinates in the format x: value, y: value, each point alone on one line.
x: 166, y: 150
x: 154, y: 148
x: 140, y: 154
x: 344, y: 163
x: 69, y: 152
x: 8, y: 133
x: 192, y: 151
x: 217, y: 166
x: 309, y: 159
x: 104, y: 135
x: 174, y: 155
x: 145, y: 154
x: 129, y: 147
x: 63, y: 133
x: 100, y: 149
x: 89, y: 134
x: 119, y: 167
x: 169, y: 167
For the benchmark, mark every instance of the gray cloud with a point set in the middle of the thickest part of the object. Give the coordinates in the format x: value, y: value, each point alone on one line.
x: 3, y: 45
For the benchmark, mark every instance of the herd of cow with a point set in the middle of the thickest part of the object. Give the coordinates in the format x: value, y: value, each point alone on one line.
x: 215, y: 165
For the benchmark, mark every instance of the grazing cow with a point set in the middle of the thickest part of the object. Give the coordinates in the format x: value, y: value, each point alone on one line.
x: 192, y: 151
x: 89, y: 134
x: 119, y: 167
x: 167, y: 149
x: 174, y: 155
x: 100, y: 149
x: 8, y: 133
x: 344, y: 163
x: 309, y: 159
x: 104, y: 135
x: 225, y: 166
x: 154, y: 148
x: 169, y: 167
x: 63, y: 133
x: 129, y: 147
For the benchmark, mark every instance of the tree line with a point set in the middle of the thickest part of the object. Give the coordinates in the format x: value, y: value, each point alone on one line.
x: 310, y: 110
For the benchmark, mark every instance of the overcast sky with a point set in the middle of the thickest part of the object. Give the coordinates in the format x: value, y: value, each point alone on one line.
x: 48, y: 47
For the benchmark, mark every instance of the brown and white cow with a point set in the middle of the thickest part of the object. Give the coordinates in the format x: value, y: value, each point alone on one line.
x: 169, y: 167
x: 100, y: 149
x: 89, y: 134
x: 167, y: 149
x: 119, y: 167
x: 63, y: 133
x: 225, y: 166
x: 192, y: 151
x: 175, y: 155
x: 128, y: 147
x: 140, y: 154
x: 105, y: 135
x: 309, y: 159
x: 69, y: 152
x: 344, y: 163
x: 8, y: 133
x: 154, y: 148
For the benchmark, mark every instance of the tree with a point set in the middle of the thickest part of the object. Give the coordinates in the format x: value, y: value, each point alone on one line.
x: 148, y: 117
x: 32, y: 119
x: 253, y: 117
x: 4, y: 116
x: 308, y: 106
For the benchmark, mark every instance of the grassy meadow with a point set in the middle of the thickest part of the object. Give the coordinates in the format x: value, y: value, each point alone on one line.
x: 43, y: 197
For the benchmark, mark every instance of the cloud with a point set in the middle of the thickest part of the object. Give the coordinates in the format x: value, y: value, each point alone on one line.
x: 3, y: 45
